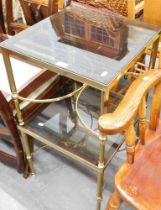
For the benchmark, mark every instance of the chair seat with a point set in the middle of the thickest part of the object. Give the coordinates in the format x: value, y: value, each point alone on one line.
x: 23, y: 74
x: 27, y: 77
x: 144, y: 190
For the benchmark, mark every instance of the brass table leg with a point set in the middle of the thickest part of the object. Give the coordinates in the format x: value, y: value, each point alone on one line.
x: 28, y: 152
x: 12, y: 85
x: 101, y: 167
x: 101, y: 164
x: 75, y: 86
x: 104, y: 101
x: 154, y: 54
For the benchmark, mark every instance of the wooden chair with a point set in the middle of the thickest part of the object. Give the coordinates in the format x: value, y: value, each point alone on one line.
x: 17, y: 161
x: 138, y: 180
x: 3, y: 30
x: 33, y: 12
x: 36, y: 10
x: 28, y: 79
x: 152, y: 14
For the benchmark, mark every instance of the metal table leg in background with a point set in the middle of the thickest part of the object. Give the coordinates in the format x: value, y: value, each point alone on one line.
x: 154, y: 53
x: 101, y: 168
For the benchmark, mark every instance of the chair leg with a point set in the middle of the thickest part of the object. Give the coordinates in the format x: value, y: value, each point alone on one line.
x: 114, y: 202
x: 17, y: 145
x: 9, y: 121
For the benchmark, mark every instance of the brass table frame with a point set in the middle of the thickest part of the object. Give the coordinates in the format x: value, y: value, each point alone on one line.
x: 105, y: 96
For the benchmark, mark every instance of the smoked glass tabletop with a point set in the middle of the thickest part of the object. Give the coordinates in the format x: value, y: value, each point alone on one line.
x: 84, y: 44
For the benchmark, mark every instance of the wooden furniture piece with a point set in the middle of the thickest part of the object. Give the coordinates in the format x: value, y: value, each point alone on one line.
x: 137, y: 181
x: 152, y: 12
x: 36, y: 10
x: 17, y: 161
x: 36, y: 82
x: 8, y: 17
x: 33, y: 10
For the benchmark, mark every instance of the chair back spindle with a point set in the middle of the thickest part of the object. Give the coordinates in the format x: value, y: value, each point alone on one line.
x: 155, y: 107
x: 6, y: 19
x: 9, y: 16
x: 130, y: 140
x: 134, y: 103
x: 142, y: 120
x: 2, y: 27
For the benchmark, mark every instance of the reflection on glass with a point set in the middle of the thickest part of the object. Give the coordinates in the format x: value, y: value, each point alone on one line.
x: 102, y: 34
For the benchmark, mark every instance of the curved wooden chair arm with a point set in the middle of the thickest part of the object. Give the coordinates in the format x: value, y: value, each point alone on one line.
x: 120, y: 119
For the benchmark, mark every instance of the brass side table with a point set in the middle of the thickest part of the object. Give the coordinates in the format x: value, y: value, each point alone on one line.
x: 95, y: 50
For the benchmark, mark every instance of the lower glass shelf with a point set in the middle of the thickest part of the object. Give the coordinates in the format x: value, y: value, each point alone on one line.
x: 58, y: 126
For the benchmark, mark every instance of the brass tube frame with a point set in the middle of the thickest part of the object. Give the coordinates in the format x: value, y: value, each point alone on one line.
x: 77, y: 112
x: 12, y: 85
x: 52, y: 99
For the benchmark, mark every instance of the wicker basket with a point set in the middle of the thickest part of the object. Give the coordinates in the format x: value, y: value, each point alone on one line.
x: 117, y: 6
